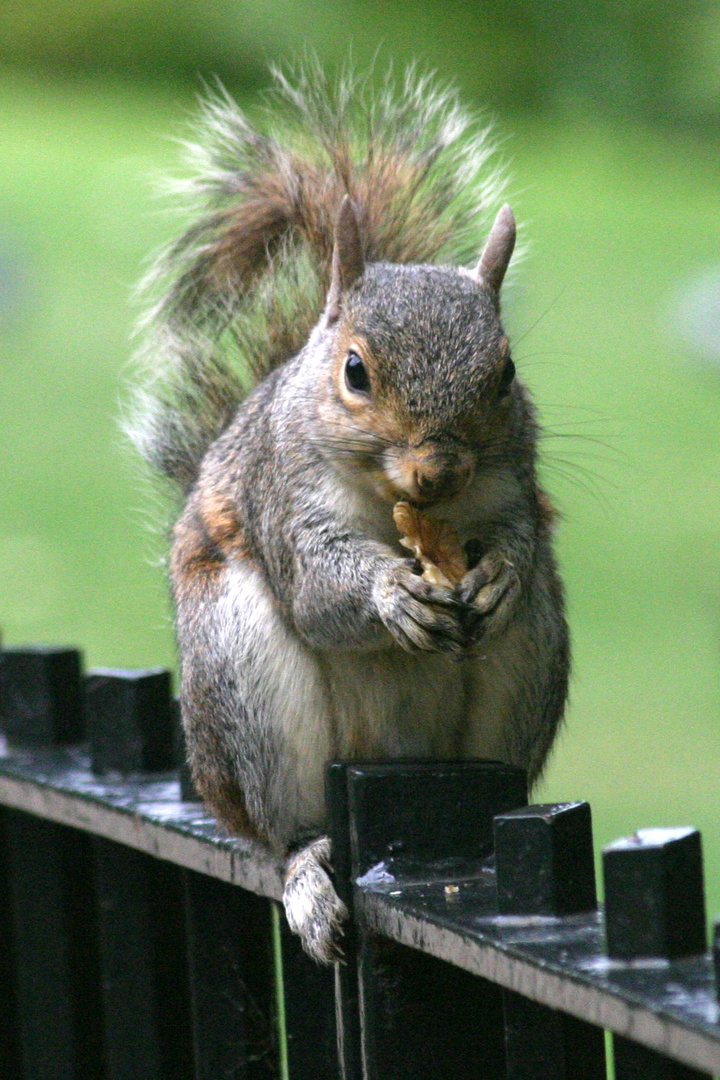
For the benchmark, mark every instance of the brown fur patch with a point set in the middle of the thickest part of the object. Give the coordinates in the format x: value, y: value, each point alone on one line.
x: 207, y: 534
x: 221, y: 521
x: 192, y: 558
x: 227, y: 801
x: 361, y: 405
x: 379, y: 414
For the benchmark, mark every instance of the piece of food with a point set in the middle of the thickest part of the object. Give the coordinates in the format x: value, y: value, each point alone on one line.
x: 434, y: 543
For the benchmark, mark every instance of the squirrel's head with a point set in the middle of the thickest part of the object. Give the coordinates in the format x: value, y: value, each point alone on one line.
x: 421, y: 391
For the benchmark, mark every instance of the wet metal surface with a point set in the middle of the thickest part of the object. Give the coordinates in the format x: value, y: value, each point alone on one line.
x: 146, y: 814
x: 669, y: 1006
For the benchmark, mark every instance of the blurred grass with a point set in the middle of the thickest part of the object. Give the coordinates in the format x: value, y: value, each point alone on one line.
x: 620, y: 220
x: 651, y: 58
x: 76, y: 219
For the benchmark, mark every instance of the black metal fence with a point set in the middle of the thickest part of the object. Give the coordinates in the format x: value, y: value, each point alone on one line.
x: 139, y: 943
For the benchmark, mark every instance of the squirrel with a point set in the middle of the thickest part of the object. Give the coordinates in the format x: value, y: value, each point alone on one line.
x: 318, y: 353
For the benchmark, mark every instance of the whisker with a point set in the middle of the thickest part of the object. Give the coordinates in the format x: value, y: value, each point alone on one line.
x: 599, y: 497
x: 569, y: 407
x: 540, y: 317
x: 520, y: 359
x: 582, y: 477
x: 574, y: 422
x: 593, y: 440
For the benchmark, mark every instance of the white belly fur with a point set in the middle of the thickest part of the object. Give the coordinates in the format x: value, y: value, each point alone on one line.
x: 384, y: 704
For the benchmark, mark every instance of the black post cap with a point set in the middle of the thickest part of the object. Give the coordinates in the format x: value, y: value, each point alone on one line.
x: 654, y: 894
x: 41, y: 699
x: 544, y: 860
x: 130, y: 720
x: 428, y: 811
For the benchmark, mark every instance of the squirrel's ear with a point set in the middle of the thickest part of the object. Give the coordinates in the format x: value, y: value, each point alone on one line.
x: 347, y: 260
x: 498, y: 251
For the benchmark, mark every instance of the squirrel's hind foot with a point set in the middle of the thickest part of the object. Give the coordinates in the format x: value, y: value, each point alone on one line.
x: 314, y: 910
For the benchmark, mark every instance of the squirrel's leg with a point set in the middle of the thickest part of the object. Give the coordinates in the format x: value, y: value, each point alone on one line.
x: 259, y: 730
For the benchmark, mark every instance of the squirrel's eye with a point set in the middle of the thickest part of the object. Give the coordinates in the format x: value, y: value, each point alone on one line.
x: 507, y: 376
x: 356, y: 375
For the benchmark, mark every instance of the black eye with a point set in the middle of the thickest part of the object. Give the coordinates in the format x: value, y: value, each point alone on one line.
x: 507, y: 376
x: 356, y: 375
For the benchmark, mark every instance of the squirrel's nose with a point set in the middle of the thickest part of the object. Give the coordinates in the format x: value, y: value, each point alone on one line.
x: 434, y: 484
x: 429, y: 473
x: 438, y: 478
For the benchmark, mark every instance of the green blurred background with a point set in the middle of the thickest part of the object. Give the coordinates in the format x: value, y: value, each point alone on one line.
x: 609, y: 115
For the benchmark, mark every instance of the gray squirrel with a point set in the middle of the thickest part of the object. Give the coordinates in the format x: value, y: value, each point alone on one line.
x: 325, y: 266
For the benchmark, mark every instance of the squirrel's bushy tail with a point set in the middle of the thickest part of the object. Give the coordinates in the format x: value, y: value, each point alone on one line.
x: 242, y: 288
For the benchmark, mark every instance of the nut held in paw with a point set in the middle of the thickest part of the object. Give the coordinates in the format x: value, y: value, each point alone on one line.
x: 434, y: 543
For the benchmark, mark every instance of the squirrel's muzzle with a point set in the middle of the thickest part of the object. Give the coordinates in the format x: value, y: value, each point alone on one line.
x: 428, y: 473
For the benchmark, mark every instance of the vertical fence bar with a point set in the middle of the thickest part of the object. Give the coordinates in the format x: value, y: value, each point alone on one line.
x: 545, y: 867
x: 232, y: 989
x: 143, y: 965
x: 143, y: 947
x: 654, y: 907
x: 421, y: 1018
x: 55, y: 934
x: 51, y: 897
x: 188, y: 791
x: 424, y: 1018
x: 347, y: 1004
x: 309, y: 1012
x: 10, y: 1057
x: 544, y: 1044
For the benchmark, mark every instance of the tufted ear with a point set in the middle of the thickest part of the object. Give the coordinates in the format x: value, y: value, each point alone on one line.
x: 498, y: 251
x: 347, y: 260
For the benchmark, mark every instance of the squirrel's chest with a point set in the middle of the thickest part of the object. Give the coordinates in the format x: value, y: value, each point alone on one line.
x: 387, y: 704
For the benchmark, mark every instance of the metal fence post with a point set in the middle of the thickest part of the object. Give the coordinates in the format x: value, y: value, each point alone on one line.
x: 544, y: 865
x: 143, y: 965
x: 347, y: 1006
x: 420, y: 1017
x: 309, y: 1011
x: 10, y: 1057
x: 41, y: 696
x: 232, y: 988
x: 654, y: 908
x: 143, y: 949
x: 131, y: 720
x: 50, y: 884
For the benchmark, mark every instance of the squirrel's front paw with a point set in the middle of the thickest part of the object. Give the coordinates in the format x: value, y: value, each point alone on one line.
x: 490, y: 591
x: 314, y: 910
x: 419, y: 615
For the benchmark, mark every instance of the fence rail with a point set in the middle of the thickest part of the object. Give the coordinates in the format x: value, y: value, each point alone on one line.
x: 137, y: 942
